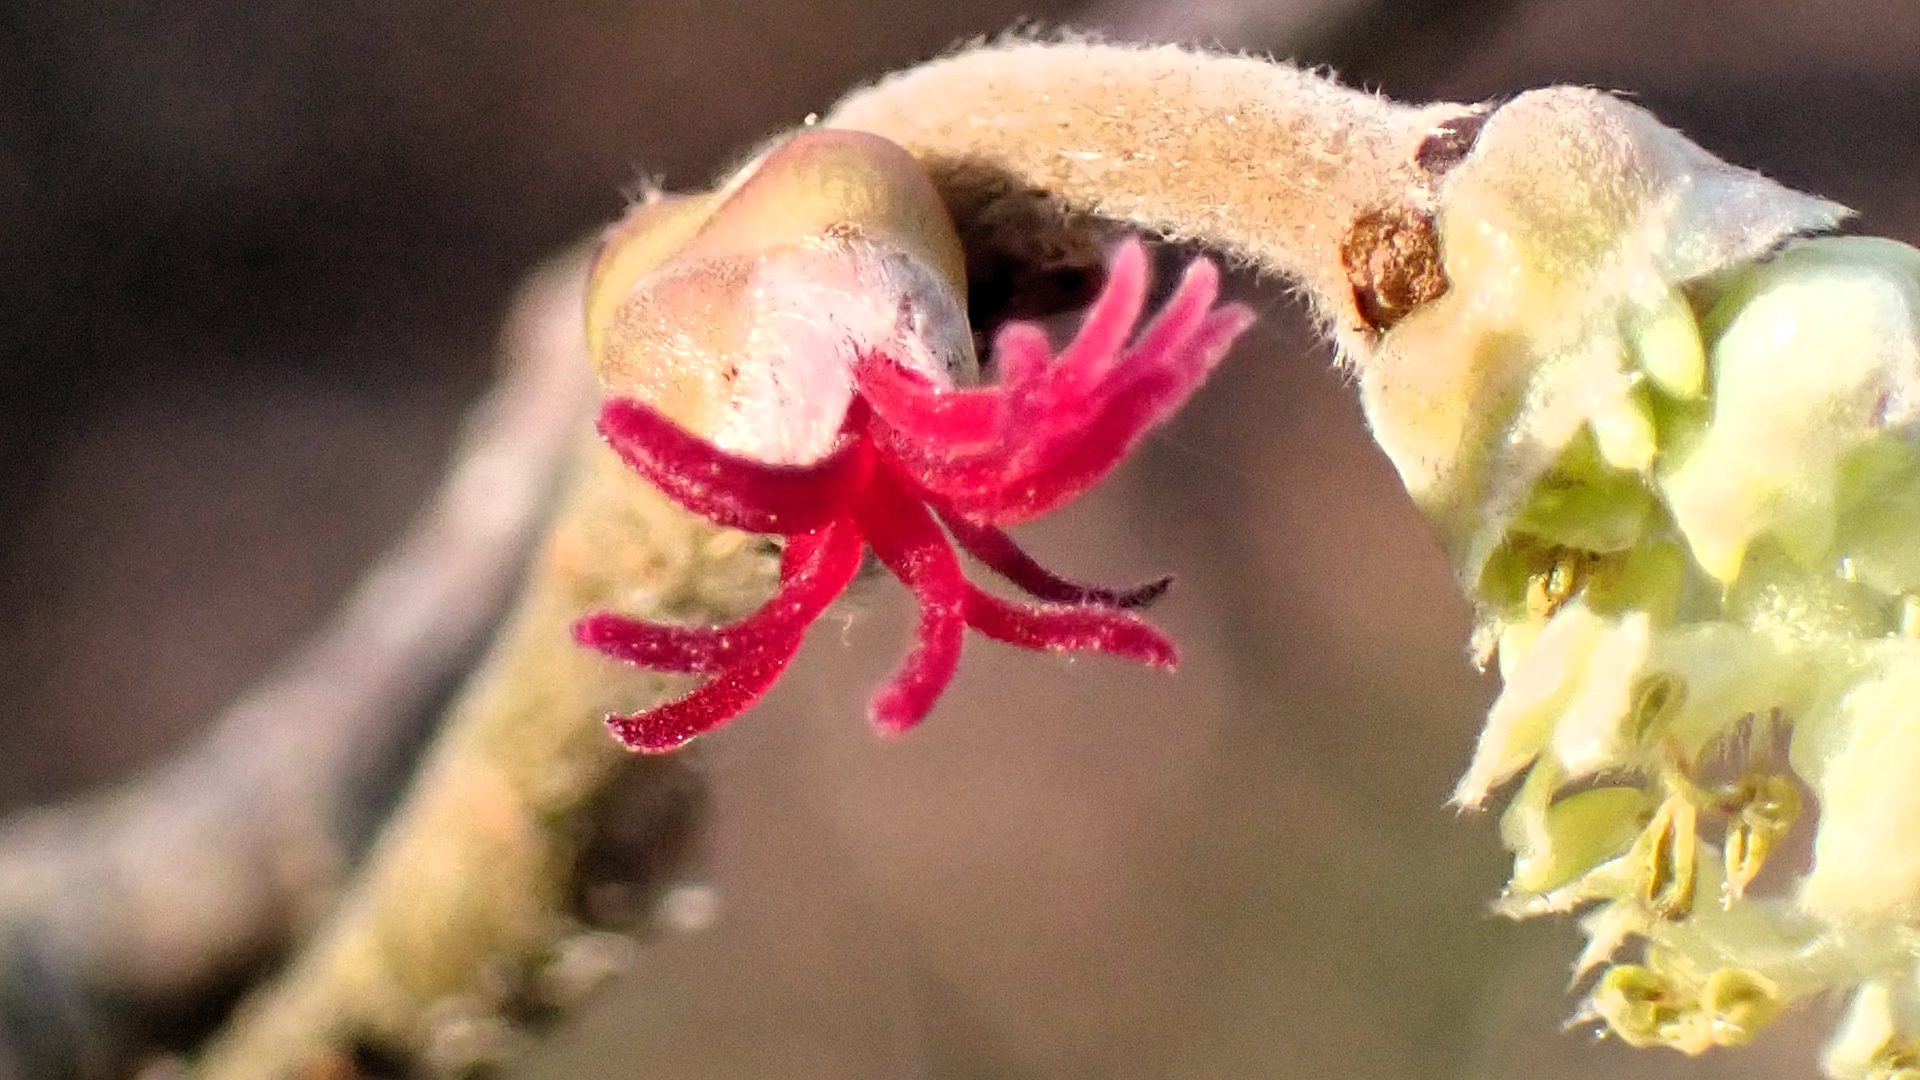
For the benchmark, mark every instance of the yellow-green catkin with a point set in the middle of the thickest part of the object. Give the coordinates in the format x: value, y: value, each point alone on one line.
x: 1671, y: 441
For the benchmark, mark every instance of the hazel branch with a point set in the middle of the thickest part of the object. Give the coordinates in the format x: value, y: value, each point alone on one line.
x: 469, y: 910
x: 1262, y: 161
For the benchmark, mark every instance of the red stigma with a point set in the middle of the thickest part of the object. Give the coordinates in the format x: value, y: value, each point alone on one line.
x: 911, y: 458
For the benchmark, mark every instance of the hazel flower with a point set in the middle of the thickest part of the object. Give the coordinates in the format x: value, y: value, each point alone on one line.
x: 1673, y: 448
x: 790, y: 357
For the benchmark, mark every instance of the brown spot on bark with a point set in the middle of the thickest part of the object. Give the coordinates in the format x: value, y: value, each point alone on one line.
x: 845, y: 232
x: 1392, y: 259
x: 1449, y: 143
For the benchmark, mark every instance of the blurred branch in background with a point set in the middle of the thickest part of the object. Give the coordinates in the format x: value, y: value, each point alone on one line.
x: 130, y: 917
x: 1367, y: 43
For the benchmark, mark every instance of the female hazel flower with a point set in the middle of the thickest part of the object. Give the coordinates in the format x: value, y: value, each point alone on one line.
x: 799, y: 365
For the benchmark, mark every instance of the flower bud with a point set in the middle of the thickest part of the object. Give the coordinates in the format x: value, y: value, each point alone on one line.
x: 740, y: 314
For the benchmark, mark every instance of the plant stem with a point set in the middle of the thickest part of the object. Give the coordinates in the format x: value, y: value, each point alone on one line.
x: 1261, y: 161
x: 468, y: 904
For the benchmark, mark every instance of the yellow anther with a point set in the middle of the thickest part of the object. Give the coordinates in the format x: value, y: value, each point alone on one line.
x: 1740, y: 1004
x: 1671, y: 848
x: 1550, y: 589
x: 1638, y: 1004
x: 1655, y: 697
x: 1761, y: 810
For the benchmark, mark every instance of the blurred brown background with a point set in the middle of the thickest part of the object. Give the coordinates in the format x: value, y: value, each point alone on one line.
x: 252, y: 259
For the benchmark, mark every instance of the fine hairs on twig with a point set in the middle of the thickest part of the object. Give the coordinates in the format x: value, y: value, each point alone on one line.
x: 1264, y: 162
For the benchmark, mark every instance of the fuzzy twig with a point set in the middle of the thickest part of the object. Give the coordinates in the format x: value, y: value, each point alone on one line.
x: 1258, y: 160
x: 469, y: 913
